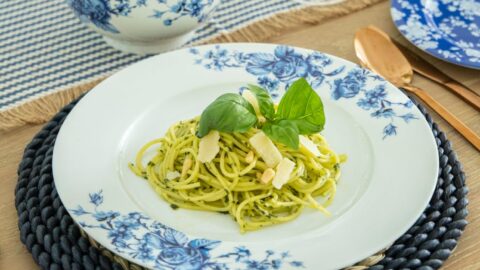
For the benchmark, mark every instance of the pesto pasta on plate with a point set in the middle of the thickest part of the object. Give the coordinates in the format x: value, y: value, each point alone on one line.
x: 245, y: 158
x: 236, y: 156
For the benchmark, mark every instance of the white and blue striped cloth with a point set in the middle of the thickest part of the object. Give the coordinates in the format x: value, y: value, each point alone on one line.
x: 44, y: 48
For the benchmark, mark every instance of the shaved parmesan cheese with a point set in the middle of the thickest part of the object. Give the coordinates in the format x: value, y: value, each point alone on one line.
x: 266, y: 149
x: 252, y: 99
x: 284, y: 169
x: 209, y: 147
x: 309, y: 146
x: 172, y: 175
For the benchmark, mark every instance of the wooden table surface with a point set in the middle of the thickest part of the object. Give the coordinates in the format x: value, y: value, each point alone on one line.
x: 13, y: 254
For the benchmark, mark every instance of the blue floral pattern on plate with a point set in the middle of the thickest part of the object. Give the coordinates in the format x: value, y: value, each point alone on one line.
x: 162, y: 247
x: 284, y: 65
x: 100, y: 12
x: 447, y: 29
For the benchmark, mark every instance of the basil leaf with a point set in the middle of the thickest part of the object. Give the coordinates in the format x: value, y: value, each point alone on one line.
x: 265, y: 102
x: 303, y: 106
x: 228, y: 113
x: 283, y: 131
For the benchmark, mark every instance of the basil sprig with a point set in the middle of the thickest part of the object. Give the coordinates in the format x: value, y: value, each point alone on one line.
x: 302, y: 105
x: 228, y: 113
x: 300, y: 112
x: 265, y: 102
x: 282, y: 131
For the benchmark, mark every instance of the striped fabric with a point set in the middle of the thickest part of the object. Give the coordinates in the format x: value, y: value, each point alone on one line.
x: 44, y: 48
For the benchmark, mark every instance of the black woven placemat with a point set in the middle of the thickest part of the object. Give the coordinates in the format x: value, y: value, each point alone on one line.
x: 56, y: 242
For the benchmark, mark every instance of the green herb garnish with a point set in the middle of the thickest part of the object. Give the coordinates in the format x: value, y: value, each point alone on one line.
x: 283, y: 131
x: 300, y: 112
x: 228, y: 113
x: 302, y: 105
x: 265, y: 102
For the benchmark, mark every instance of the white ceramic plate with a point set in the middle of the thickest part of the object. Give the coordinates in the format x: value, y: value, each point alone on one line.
x: 386, y: 183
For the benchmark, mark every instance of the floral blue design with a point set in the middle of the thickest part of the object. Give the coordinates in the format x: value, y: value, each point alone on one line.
x: 96, y: 198
x: 285, y: 65
x: 447, y: 29
x: 390, y: 130
x: 349, y: 86
x: 270, y: 84
x: 375, y: 100
x: 100, y: 12
x: 191, y: 8
x: 271, y: 260
x: 156, y: 245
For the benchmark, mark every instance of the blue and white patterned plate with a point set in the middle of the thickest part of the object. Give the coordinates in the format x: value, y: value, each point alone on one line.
x: 385, y: 185
x: 447, y: 29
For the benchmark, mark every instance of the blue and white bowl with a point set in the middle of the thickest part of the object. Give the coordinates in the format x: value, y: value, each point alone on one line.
x: 144, y: 26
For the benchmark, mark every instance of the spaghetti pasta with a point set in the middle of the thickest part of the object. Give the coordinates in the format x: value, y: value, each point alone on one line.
x: 230, y: 183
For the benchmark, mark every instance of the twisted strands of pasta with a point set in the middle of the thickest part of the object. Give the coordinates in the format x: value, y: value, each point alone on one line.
x: 230, y: 184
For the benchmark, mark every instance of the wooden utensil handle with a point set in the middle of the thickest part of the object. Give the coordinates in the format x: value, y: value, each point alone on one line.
x: 473, y: 138
x: 467, y: 95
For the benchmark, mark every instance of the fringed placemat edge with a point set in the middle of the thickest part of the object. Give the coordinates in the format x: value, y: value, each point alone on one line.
x: 42, y: 109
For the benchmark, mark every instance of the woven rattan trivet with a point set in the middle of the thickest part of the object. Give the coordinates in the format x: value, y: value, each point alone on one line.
x: 56, y: 242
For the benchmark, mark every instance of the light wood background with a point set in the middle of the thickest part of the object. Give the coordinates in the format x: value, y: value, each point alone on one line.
x: 334, y: 37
